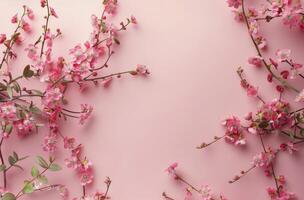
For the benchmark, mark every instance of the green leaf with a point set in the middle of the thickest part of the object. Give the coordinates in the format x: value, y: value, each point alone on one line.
x: 8, y: 128
x: 42, y: 179
x: 302, y: 132
x: 34, y: 172
x: 38, y: 92
x: 27, y: 72
x: 2, y: 167
x: 55, y: 167
x: 16, y: 87
x: 11, y: 160
x: 2, y: 86
x: 42, y: 162
x: 15, y: 155
x: 8, y: 196
x: 116, y: 41
x: 35, y: 110
x: 9, y: 91
x: 28, y: 187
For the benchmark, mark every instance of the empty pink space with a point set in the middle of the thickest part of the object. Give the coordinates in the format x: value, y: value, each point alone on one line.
x: 142, y: 125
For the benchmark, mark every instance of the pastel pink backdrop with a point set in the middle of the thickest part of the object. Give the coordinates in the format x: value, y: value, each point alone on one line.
x: 140, y: 126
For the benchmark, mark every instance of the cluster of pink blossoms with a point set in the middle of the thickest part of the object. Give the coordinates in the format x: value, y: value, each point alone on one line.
x: 272, y: 117
x: 204, y: 192
x: 21, y: 114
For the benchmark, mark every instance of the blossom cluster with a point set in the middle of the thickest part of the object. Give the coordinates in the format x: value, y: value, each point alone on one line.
x: 25, y: 109
x: 274, y: 117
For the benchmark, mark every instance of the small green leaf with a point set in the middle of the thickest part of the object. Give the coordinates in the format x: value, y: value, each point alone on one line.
x: 42, y: 179
x: 9, y: 91
x: 55, y: 167
x: 34, y: 172
x: 2, y: 167
x: 42, y: 162
x: 38, y: 92
x: 8, y: 196
x: 8, y: 128
x: 2, y: 86
x: 27, y: 72
x: 302, y: 132
x: 15, y: 155
x: 11, y: 160
x: 35, y: 110
x: 16, y: 87
x: 116, y: 41
x: 28, y: 187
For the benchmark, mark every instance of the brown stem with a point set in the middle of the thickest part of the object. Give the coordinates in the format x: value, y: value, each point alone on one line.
x: 3, y: 163
x: 187, y: 183
x: 271, y: 168
x: 45, y: 27
x: 12, y: 41
x: 283, y: 82
x: 19, y: 194
x: 166, y: 196
x: 83, y: 191
x: 204, y: 145
x: 243, y: 173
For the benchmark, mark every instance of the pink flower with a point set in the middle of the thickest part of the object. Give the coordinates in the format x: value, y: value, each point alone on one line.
x: 282, y: 179
x: 171, y: 170
x: 234, y: 131
x: 283, y: 55
x: 261, y: 41
x: 69, y: 143
x: 234, y: 3
x: 256, y: 61
x: 72, y: 162
x: 14, y: 19
x: 26, y: 26
x: 53, y: 12
x: 2, y: 38
x: 110, y: 6
x: 25, y: 126
x: 142, y: 70
x: 63, y: 192
x: 283, y: 194
x: 86, y: 112
x: 263, y: 159
x: 8, y: 110
x: 86, y: 177
x: 254, y: 27
x: 274, y: 63
x: 32, y: 52
x: 252, y: 91
x: 49, y: 143
x: 43, y: 3
x: 30, y: 13
x: 52, y: 97
x: 238, y: 15
x: 188, y: 195
x: 133, y: 20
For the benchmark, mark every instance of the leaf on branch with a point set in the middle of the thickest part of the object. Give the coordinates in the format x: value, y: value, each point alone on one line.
x: 28, y: 187
x: 2, y: 167
x: 9, y: 91
x: 27, y: 72
x: 8, y: 196
x: 42, y: 163
x: 55, y: 167
x: 34, y: 172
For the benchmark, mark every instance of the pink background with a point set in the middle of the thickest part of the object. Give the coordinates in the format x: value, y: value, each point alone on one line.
x: 140, y: 126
